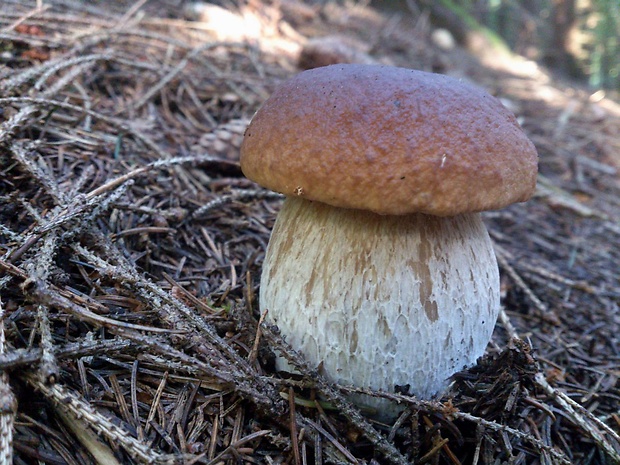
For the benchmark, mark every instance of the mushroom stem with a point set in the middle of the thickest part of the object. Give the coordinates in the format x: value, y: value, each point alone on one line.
x: 394, y: 303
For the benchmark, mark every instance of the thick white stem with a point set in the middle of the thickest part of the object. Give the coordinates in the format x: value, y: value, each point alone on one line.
x: 381, y: 301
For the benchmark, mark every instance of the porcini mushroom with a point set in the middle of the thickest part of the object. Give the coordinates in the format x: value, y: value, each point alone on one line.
x: 379, y: 268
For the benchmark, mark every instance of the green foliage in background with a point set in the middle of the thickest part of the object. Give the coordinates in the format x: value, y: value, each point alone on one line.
x: 578, y: 37
x: 605, y: 57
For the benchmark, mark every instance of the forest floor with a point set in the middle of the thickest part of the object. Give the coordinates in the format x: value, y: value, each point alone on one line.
x: 131, y: 248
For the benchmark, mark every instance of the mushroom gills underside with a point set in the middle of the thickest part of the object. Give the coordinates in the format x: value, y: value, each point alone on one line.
x: 392, y: 303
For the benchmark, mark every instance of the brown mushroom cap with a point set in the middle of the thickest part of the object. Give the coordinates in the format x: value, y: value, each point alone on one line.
x: 389, y: 140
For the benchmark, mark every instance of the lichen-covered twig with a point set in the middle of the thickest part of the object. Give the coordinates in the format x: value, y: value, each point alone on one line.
x: 23, y: 357
x: 257, y: 390
x: 581, y: 416
x: 335, y: 397
x: 81, y: 412
x: 8, y: 405
x: 585, y: 419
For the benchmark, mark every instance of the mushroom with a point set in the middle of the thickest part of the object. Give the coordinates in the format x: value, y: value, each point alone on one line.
x: 379, y: 269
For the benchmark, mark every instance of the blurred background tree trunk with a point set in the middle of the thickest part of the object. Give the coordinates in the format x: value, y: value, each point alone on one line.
x: 563, y: 20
